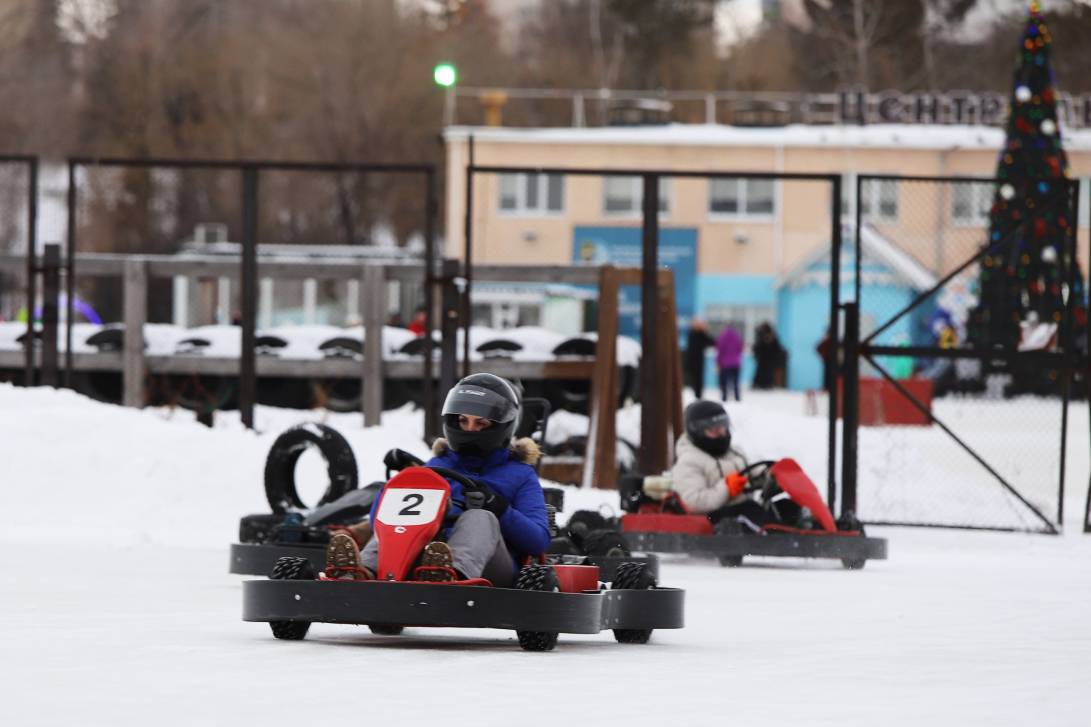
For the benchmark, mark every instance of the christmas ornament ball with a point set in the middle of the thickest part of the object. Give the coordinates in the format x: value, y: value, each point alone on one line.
x: 1049, y: 254
x: 1022, y: 94
x: 1007, y: 191
x: 1048, y: 127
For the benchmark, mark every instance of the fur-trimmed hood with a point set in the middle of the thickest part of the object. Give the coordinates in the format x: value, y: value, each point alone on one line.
x: 525, y: 449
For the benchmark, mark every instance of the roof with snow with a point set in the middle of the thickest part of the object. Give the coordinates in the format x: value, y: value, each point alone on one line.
x: 883, y: 263
x: 878, y: 136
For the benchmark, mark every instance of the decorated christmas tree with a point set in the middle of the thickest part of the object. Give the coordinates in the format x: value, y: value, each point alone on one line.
x: 1023, y: 279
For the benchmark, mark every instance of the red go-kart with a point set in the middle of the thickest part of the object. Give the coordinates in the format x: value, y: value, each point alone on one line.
x: 666, y: 526
x: 545, y: 600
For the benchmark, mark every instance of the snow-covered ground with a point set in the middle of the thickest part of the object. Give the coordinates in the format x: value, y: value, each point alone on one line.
x: 120, y: 610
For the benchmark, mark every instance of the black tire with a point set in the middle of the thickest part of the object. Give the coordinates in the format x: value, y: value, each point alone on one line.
x: 606, y: 542
x: 849, y: 521
x: 582, y: 523
x: 386, y: 630
x: 537, y: 578
x: 853, y: 563
x: 633, y: 576
x: 258, y: 528
x: 731, y: 561
x: 291, y: 568
x: 280, y: 465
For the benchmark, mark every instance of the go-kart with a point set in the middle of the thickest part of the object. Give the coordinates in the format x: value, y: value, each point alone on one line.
x: 545, y: 600
x: 664, y: 525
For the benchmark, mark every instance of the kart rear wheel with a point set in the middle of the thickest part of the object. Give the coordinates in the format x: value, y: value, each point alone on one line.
x: 854, y: 563
x: 386, y: 630
x: 633, y: 576
x: 584, y: 522
x: 537, y: 578
x: 291, y: 568
x: 730, y: 561
x: 606, y: 542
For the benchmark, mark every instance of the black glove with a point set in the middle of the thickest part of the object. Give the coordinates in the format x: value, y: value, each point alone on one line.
x: 485, y: 498
x: 399, y: 459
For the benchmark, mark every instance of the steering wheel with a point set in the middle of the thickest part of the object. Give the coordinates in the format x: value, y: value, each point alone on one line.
x: 760, y: 482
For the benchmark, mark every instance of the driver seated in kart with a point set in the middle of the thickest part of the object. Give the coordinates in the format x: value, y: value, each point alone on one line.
x: 480, y: 415
x: 706, y: 475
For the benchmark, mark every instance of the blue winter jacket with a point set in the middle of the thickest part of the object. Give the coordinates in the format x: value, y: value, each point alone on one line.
x: 524, y: 525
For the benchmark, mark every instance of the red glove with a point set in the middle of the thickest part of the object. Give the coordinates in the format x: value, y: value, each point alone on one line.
x: 735, y: 483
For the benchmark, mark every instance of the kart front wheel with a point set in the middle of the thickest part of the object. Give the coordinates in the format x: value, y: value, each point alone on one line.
x: 730, y: 561
x: 633, y: 576
x: 537, y: 578
x: 853, y: 563
x: 292, y: 568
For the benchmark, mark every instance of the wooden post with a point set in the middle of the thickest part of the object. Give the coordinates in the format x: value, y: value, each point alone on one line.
x: 373, y: 303
x: 135, y: 300
x: 668, y: 325
x: 600, y: 462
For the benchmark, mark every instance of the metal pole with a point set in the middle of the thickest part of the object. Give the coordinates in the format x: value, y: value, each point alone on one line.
x: 1068, y: 335
x: 70, y: 280
x: 448, y: 362
x: 652, y: 451
x: 467, y: 261
x: 852, y: 407
x: 431, y: 421
x: 249, y: 289
x: 51, y: 283
x: 32, y: 273
x: 833, y: 370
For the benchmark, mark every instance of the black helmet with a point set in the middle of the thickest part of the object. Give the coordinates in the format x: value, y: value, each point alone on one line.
x: 702, y: 415
x: 481, y: 395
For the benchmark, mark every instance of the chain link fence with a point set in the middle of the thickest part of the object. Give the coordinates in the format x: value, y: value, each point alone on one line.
x: 965, y: 376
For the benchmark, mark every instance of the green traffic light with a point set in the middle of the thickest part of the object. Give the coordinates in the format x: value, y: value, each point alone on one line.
x: 445, y: 74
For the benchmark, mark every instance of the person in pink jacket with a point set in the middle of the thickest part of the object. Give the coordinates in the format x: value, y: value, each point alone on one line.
x: 729, y: 350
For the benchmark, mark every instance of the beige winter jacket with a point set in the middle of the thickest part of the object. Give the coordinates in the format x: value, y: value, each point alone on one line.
x: 698, y: 477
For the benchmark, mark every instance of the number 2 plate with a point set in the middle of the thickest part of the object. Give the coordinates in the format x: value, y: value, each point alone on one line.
x: 409, y: 506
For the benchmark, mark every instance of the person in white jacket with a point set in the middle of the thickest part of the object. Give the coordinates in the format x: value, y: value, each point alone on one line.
x: 706, y: 474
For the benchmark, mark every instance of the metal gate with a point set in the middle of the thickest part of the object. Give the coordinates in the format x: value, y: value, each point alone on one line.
x: 955, y: 395
x: 954, y: 391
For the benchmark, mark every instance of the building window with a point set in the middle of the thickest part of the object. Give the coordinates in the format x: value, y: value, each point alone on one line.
x: 624, y: 196
x: 878, y: 199
x: 531, y: 194
x: 741, y: 197
x: 971, y: 202
x: 743, y: 318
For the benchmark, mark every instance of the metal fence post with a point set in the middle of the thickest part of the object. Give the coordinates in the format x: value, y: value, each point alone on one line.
x: 135, y: 301
x: 653, y: 444
x: 51, y: 289
x: 248, y: 384
x: 851, y: 409
x: 448, y: 329
x: 32, y: 273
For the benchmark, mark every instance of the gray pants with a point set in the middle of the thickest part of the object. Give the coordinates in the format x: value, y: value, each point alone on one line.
x: 476, y: 545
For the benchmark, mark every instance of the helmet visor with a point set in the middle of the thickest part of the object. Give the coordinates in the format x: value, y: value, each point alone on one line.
x: 479, y: 402
x: 712, y: 422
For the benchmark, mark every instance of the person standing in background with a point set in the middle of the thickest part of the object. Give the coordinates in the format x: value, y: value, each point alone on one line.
x: 693, y: 363
x: 729, y: 348
x: 769, y: 356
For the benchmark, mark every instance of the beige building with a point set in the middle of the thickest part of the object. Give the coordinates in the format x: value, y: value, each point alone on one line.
x: 751, y: 240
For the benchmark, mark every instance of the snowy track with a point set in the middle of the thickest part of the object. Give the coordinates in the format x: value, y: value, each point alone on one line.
x: 121, y: 612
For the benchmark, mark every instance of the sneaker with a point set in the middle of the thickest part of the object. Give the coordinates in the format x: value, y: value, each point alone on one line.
x: 436, y: 564
x: 343, y: 559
